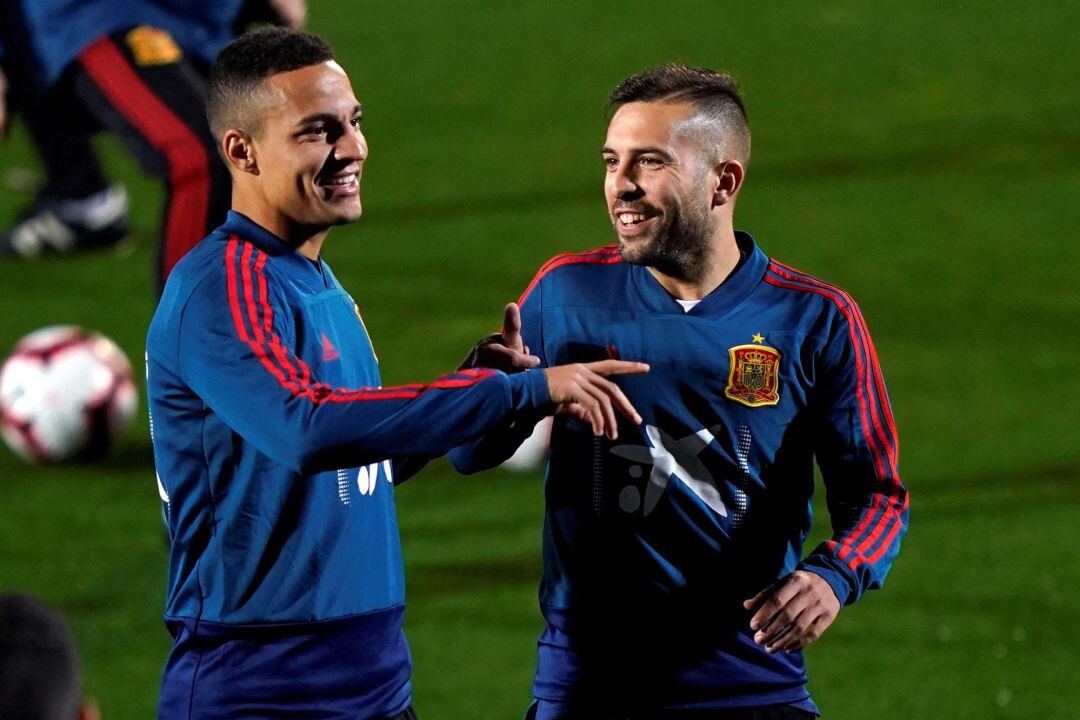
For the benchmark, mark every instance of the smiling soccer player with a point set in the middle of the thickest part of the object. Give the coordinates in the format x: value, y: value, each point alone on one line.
x: 674, y: 582
x: 276, y: 446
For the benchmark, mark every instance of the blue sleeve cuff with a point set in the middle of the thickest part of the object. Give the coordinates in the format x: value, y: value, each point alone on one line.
x: 838, y: 581
x: 528, y: 390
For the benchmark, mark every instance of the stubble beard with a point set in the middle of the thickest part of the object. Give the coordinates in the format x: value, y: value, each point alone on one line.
x: 680, y: 246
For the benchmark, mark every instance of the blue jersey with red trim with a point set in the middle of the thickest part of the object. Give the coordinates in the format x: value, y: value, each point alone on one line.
x: 652, y: 543
x: 277, y: 450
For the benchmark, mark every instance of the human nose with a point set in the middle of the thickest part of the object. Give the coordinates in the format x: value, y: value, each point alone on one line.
x: 351, y: 146
x: 623, y: 181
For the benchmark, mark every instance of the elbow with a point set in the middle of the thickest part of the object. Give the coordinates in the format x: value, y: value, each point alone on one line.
x: 287, y: 452
x: 470, y: 459
x: 464, y: 460
x: 307, y: 456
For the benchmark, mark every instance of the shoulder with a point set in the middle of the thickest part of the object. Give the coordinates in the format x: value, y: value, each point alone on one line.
x: 809, y: 291
x: 223, y: 275
x: 198, y: 268
x: 571, y: 267
x: 821, y: 305
x: 227, y: 260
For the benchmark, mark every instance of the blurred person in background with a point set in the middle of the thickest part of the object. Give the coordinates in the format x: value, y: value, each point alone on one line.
x: 39, y: 665
x: 135, y: 68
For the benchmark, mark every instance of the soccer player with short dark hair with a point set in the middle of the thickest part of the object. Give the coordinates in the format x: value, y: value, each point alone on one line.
x: 39, y: 665
x: 276, y: 446
x: 674, y: 581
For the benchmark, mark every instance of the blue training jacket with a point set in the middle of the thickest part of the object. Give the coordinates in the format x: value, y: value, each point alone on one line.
x: 652, y: 543
x: 277, y: 452
x: 50, y: 34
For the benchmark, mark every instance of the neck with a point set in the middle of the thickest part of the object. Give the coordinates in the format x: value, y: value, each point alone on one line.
x: 305, y: 239
x: 721, y: 259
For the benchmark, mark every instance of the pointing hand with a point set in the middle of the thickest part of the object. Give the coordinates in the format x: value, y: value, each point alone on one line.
x: 583, y: 391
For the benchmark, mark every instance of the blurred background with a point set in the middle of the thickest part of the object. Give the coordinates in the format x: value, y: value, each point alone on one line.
x: 925, y: 156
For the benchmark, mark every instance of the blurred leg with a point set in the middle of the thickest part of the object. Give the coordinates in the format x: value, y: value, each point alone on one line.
x: 72, y: 170
x: 154, y: 100
x: 76, y: 209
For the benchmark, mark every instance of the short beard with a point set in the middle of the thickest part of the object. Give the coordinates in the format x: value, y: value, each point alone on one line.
x: 680, y: 247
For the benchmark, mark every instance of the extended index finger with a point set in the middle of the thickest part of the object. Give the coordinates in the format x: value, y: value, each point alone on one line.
x: 618, y: 398
x: 511, y: 330
x: 618, y: 367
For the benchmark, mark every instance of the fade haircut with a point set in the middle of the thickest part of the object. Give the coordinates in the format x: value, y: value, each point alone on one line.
x: 719, y: 113
x: 233, y: 91
x: 39, y: 668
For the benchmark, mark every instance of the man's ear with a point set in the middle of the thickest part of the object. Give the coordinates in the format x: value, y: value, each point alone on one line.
x: 239, y: 151
x: 727, y: 177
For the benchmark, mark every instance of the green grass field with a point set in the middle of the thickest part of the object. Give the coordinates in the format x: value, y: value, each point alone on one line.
x: 926, y: 156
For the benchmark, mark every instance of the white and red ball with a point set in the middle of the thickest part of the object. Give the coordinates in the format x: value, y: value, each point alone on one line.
x: 65, y: 393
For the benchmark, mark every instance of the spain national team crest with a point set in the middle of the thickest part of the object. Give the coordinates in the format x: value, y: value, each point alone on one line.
x: 754, y: 379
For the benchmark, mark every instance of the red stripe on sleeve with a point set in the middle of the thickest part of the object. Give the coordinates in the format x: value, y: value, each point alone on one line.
x: 851, y: 542
x: 884, y: 547
x: 876, y: 380
x: 265, y: 343
x: 605, y: 255
x: 275, y: 346
x: 858, y: 541
x: 230, y: 276
x: 859, y: 370
x: 894, y: 528
x: 238, y: 316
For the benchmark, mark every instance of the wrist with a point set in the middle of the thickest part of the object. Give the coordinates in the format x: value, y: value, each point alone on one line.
x: 529, y: 390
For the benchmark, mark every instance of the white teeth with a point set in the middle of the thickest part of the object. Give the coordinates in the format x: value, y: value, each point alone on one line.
x: 630, y: 218
x: 347, y: 180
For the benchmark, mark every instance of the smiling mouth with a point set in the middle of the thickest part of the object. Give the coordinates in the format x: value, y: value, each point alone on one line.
x: 631, y: 219
x: 343, y: 184
x: 627, y: 219
x: 347, y: 179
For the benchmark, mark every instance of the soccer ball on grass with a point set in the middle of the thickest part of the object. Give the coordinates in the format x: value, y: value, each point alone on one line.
x: 65, y: 393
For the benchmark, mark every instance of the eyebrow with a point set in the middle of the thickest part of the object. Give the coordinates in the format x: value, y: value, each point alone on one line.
x: 640, y: 151
x: 357, y: 110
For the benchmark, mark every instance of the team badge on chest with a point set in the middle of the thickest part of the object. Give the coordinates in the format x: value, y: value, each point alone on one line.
x: 754, y: 378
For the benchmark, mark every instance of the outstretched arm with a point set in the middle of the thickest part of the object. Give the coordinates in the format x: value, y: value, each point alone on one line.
x: 236, y: 353
x: 241, y: 362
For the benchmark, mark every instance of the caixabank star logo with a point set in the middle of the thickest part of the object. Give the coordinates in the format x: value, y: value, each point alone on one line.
x: 754, y: 378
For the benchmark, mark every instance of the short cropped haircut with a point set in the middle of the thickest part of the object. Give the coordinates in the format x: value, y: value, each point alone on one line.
x: 243, y: 64
x: 714, y: 95
x: 39, y: 667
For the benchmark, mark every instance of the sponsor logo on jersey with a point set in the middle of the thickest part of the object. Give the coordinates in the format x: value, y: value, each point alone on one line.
x: 366, y: 480
x: 669, y: 457
x: 754, y: 378
x: 151, y: 46
x: 329, y: 352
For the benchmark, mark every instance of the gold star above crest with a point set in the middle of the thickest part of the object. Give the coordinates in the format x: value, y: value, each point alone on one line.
x: 758, y: 338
